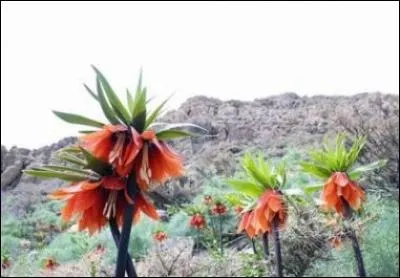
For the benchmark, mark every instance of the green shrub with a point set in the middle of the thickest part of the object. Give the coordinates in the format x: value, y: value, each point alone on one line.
x: 379, y: 243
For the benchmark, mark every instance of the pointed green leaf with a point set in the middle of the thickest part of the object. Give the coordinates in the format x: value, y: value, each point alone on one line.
x: 312, y: 188
x: 67, y: 169
x: 107, y: 110
x: 166, y: 126
x: 131, y: 101
x: 69, y: 149
x: 91, y: 92
x: 245, y: 187
x: 139, y: 105
x: 356, y: 173
x: 316, y: 170
x: 255, y: 172
x: 87, y: 131
x: 67, y: 176
x: 235, y: 199
x: 115, y: 102
x: 355, y: 150
x: 170, y: 134
x: 154, y: 115
x: 71, y: 158
x: 77, y: 119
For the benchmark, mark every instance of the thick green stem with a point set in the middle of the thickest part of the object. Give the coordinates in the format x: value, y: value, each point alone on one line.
x: 253, y: 244
x: 197, y: 242
x: 212, y: 223
x: 275, y: 228
x: 357, y: 254
x: 265, y: 245
x: 221, y: 246
x: 347, y: 214
x: 130, y: 268
x: 126, y: 227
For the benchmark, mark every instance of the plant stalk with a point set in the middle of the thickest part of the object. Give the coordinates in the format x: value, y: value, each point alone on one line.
x: 265, y: 245
x: 212, y: 223
x: 253, y: 244
x: 275, y: 228
x: 357, y: 253
x: 197, y: 241
x: 130, y: 268
x: 347, y: 214
x: 126, y: 227
x: 221, y: 246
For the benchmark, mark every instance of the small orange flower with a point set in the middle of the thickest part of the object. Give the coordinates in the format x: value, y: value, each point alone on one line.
x: 219, y: 209
x: 339, y: 192
x: 160, y: 236
x: 96, y: 202
x: 198, y: 221
x: 208, y: 200
x: 50, y: 264
x: 270, y: 207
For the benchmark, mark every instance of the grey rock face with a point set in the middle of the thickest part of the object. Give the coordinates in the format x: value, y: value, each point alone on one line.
x: 268, y: 124
x: 19, y: 192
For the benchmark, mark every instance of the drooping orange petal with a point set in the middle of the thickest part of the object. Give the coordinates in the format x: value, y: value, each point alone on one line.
x: 261, y: 221
x: 68, y: 209
x: 275, y: 203
x: 85, y: 199
x: 65, y: 192
x: 92, y: 217
x: 164, y: 163
x: 251, y: 231
x: 329, y: 188
x: 146, y: 207
x: 133, y: 150
x: 339, y: 189
x: 243, y: 222
x: 330, y: 196
x: 269, y: 216
x: 354, y: 198
x: 100, y: 143
x: 339, y: 207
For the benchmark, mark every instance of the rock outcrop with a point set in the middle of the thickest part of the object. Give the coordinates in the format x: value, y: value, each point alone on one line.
x: 270, y: 124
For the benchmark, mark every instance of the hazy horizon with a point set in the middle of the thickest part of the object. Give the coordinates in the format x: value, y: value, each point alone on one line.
x: 228, y: 50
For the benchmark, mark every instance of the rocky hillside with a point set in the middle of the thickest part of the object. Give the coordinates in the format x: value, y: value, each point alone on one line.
x: 272, y: 124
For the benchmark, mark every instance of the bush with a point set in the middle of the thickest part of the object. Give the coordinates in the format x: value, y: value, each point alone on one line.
x: 379, y: 244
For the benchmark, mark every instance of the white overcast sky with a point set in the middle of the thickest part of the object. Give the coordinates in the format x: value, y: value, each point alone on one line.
x: 226, y: 50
